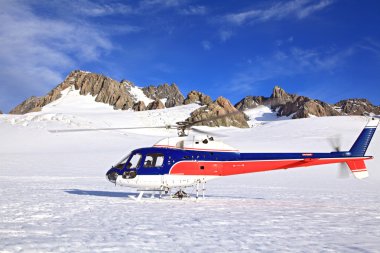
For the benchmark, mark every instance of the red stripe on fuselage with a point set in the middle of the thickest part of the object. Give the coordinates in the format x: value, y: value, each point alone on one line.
x: 226, y: 168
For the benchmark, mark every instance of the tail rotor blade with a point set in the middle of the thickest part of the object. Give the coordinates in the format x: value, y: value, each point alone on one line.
x: 343, y: 171
x: 335, y: 143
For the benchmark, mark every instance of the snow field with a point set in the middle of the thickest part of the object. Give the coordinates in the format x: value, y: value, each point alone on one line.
x: 54, y: 196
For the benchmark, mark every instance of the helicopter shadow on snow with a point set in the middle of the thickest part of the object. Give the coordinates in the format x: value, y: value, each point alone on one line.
x: 100, y: 193
x: 234, y: 197
x: 127, y: 194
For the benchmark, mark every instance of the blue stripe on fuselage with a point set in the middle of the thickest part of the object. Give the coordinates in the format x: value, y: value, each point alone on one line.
x: 172, y: 156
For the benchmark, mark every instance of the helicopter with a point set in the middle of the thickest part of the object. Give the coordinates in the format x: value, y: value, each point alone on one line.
x: 191, y: 161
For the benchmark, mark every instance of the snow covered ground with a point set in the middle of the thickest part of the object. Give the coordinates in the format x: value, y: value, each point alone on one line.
x: 54, y: 196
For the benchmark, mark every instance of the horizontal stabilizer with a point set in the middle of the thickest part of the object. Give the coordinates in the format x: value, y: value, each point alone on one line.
x: 358, y: 168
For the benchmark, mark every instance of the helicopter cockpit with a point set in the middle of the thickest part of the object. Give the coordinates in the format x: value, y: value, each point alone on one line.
x: 137, y: 160
x: 130, y: 163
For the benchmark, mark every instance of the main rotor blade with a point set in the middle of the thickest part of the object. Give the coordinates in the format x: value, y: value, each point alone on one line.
x: 213, y: 118
x: 107, y: 129
x: 206, y: 132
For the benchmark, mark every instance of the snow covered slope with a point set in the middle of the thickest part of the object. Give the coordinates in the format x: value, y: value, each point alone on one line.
x: 261, y: 115
x: 54, y: 196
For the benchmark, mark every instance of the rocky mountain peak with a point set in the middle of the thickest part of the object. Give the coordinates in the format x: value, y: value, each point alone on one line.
x: 279, y: 96
x: 290, y: 105
x: 171, y: 93
x: 357, y: 106
x: 197, y: 97
x: 127, y: 83
x: 278, y: 92
x: 219, y: 107
x: 105, y: 90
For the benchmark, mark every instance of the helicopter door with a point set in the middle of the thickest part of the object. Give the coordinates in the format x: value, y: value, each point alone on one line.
x: 154, y: 163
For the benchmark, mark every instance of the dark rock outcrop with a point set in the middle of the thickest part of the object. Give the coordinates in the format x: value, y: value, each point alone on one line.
x: 32, y: 104
x: 220, y: 106
x: 304, y: 107
x: 104, y: 89
x: 289, y: 105
x: 139, y: 106
x: 171, y: 93
x: 197, y: 97
x: 156, y: 104
x: 278, y: 97
x: 249, y: 102
x: 358, y: 106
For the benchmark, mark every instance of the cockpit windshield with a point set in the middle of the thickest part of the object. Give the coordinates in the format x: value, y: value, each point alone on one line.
x: 121, y: 163
x: 132, y: 162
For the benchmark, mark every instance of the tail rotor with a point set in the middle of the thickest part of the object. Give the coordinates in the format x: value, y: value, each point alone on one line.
x: 343, y: 171
x: 335, y: 142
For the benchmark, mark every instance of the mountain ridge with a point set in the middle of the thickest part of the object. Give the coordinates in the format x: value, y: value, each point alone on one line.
x: 124, y: 95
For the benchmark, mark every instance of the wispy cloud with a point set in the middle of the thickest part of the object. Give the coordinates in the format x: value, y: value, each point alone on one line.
x: 370, y: 45
x: 194, y: 10
x: 35, y: 51
x: 160, y: 4
x: 206, y: 45
x: 297, y: 8
x: 107, y: 8
x: 96, y: 9
x: 284, y: 41
x: 225, y: 35
x: 288, y: 63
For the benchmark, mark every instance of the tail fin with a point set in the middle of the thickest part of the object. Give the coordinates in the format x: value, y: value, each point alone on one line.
x: 358, y: 168
x: 361, y: 144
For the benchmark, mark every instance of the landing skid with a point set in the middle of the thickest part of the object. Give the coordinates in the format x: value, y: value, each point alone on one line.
x: 138, y: 198
x: 180, y: 194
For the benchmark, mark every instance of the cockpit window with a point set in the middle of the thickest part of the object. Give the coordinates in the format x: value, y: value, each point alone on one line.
x: 120, y: 165
x: 154, y: 160
x: 135, y: 161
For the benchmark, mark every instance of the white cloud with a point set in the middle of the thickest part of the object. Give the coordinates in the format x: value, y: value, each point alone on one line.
x: 310, y: 9
x: 296, y: 8
x: 370, y: 45
x: 160, y: 4
x: 225, y: 35
x: 94, y: 9
x: 206, y: 45
x: 194, y: 10
x: 288, y: 63
x: 283, y: 42
x: 36, y: 51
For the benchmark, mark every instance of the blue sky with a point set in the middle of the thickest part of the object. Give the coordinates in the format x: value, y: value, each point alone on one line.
x: 325, y: 49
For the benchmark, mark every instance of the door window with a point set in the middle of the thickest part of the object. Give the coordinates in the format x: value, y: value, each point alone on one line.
x: 154, y: 160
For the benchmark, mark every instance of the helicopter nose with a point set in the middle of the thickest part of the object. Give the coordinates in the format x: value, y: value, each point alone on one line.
x: 112, y: 176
